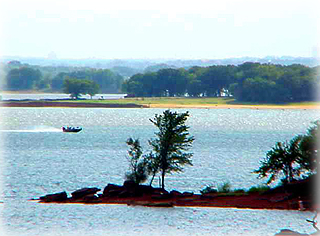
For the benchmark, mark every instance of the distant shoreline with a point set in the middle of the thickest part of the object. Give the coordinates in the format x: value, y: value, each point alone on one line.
x: 146, y: 102
x: 66, y: 104
x: 231, y: 106
x: 133, y: 105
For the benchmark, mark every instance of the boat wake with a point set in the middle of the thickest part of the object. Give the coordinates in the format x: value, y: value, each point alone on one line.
x: 37, y: 129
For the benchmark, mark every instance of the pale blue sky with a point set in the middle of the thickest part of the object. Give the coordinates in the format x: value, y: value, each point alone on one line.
x: 159, y: 29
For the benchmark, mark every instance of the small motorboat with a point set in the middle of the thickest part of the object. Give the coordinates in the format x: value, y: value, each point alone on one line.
x: 71, y: 129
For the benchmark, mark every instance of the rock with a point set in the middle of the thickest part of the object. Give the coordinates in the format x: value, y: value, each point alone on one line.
x: 161, y: 195
x: 129, y: 184
x: 158, y: 204
x: 129, y: 189
x: 187, y: 194
x: 175, y: 193
x: 80, y: 193
x: 112, y: 190
x: 91, y: 198
x: 125, y: 193
x: 160, y: 191
x: 132, y: 189
x: 56, y: 197
x: 144, y: 190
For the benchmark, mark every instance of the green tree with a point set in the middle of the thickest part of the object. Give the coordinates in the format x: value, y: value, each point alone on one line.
x: 215, y: 79
x: 90, y: 87
x: 152, y: 165
x: 76, y: 87
x: 108, y: 81
x: 309, y: 148
x: 258, y: 90
x: 125, y: 71
x: 138, y: 165
x: 22, y: 78
x: 173, y: 81
x: 280, y: 160
x: 194, y: 88
x: 73, y: 87
x: 57, y: 82
x: 133, y: 86
x: 142, y: 85
x: 44, y: 83
x: 171, y: 143
x: 292, y: 159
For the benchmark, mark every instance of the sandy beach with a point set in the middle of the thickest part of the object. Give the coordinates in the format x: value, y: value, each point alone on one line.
x: 229, y: 106
x: 132, y: 105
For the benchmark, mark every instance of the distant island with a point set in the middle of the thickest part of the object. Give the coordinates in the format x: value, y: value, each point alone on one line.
x: 251, y: 81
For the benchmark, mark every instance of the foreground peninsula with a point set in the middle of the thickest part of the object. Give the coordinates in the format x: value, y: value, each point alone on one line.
x: 294, y: 196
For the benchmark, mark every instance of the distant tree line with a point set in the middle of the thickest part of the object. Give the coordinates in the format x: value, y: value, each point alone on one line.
x: 23, y: 78
x: 248, y: 82
x: 108, y: 81
x: 52, y: 79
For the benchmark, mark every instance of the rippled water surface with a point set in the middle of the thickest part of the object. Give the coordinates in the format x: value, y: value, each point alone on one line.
x: 38, y: 158
x: 41, y: 96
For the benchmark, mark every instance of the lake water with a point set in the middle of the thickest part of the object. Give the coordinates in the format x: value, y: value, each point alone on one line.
x: 39, y: 96
x: 38, y: 158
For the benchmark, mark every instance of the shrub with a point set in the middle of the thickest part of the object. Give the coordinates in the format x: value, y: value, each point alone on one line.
x: 239, y: 190
x: 224, y: 188
x: 208, y: 189
x: 258, y: 189
x: 138, y: 166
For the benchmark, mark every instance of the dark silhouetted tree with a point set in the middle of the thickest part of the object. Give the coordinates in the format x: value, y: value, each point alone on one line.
x: 76, y: 87
x: 291, y: 160
x: 138, y: 165
x: 171, y: 143
x: 23, y: 78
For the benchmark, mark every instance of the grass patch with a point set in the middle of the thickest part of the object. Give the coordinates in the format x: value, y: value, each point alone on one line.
x: 239, y: 190
x: 235, y: 102
x: 232, y: 194
x: 304, y: 104
x: 224, y: 189
x: 180, y: 100
x: 159, y: 100
x: 188, y: 101
x: 258, y: 189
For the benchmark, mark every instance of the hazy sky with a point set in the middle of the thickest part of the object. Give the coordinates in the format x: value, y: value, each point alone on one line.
x: 159, y: 29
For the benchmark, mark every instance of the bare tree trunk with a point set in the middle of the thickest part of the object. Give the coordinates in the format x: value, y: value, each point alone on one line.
x: 162, y: 179
x: 152, y: 178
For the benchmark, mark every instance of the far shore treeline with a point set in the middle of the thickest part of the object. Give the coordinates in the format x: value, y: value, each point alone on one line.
x: 247, y: 82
